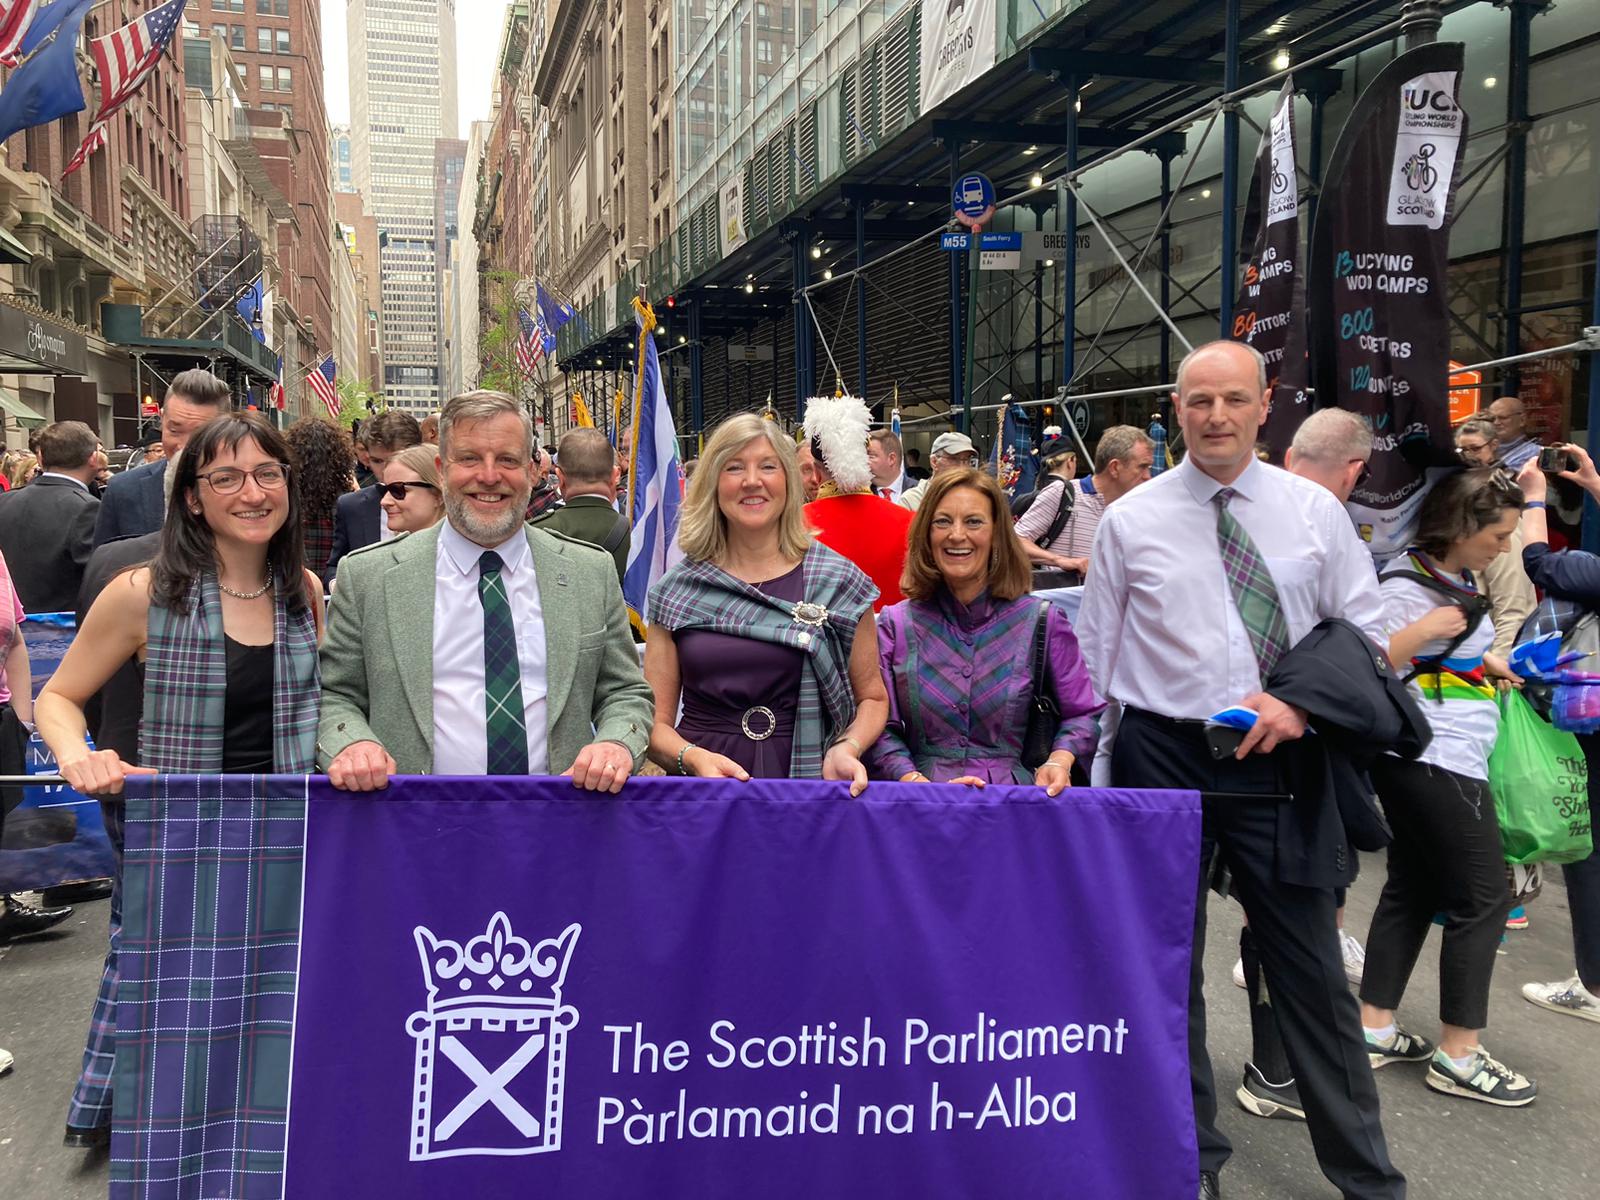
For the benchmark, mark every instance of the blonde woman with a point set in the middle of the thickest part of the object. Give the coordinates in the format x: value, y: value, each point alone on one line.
x: 765, y: 636
x: 20, y: 467
x: 411, y: 498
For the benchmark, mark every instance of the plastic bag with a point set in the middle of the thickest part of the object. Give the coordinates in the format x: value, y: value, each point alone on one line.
x: 1541, y: 787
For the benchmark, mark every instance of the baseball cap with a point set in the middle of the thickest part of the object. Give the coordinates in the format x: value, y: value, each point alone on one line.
x: 953, y: 444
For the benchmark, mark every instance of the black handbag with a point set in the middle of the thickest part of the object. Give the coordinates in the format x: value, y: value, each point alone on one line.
x: 1044, y: 714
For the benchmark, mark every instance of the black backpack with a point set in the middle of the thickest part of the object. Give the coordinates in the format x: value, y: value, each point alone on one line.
x: 1476, y: 609
x: 1069, y: 497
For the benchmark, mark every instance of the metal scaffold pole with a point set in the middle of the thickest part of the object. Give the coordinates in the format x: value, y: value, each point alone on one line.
x: 1230, y: 170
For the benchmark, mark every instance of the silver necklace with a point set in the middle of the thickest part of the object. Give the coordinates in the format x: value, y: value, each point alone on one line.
x: 257, y: 594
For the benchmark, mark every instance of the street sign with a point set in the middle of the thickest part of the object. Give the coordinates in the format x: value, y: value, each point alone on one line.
x: 955, y: 241
x: 1000, y: 241
x: 973, y: 195
x: 1078, y: 414
x: 999, y: 251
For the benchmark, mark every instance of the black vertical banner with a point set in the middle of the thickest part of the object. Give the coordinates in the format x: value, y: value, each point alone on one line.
x: 1269, y: 312
x: 1379, y: 255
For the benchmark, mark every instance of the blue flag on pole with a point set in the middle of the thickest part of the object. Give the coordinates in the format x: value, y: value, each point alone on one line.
x: 46, y: 87
x: 654, y: 487
x: 1013, y: 461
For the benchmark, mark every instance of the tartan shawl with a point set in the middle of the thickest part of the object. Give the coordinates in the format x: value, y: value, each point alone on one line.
x: 186, y: 685
x: 700, y: 595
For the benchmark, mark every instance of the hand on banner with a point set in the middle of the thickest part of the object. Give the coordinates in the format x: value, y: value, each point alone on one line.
x: 1055, y: 773
x: 601, y: 767
x: 707, y: 765
x: 361, y: 767
x: 842, y: 763
x: 1276, y: 723
x: 100, y: 773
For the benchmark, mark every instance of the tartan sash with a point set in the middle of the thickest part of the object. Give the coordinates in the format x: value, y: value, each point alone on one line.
x: 700, y: 595
x: 186, y: 685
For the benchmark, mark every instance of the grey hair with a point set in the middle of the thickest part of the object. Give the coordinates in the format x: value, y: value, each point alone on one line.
x: 1261, y: 363
x: 1117, y: 443
x: 1332, y: 436
x: 481, y: 405
x: 1478, y: 425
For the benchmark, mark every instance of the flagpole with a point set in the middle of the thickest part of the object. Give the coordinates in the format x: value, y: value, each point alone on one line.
x: 647, y: 320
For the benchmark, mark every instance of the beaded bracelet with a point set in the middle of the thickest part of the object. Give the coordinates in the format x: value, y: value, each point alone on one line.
x: 687, y: 746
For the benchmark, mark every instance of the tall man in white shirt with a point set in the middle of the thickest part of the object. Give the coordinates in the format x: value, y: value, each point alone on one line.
x: 1200, y: 581
x: 481, y: 646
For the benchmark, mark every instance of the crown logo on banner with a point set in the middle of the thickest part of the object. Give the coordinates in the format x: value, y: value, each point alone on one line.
x: 494, y: 1013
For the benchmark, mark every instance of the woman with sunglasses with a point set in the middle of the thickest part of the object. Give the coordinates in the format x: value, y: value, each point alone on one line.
x: 225, y: 622
x: 411, y: 499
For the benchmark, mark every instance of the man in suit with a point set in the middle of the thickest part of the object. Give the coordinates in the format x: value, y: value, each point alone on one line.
x: 47, y: 528
x: 889, y: 478
x: 587, y: 473
x: 481, y: 646
x: 1201, y: 583
x: 357, y: 518
x: 135, y: 501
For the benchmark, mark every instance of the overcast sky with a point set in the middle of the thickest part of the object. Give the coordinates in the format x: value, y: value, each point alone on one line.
x: 478, y: 24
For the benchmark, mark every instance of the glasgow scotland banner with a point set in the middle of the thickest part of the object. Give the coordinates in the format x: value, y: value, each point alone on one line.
x: 1380, y: 249
x: 1270, y: 311
x: 695, y: 989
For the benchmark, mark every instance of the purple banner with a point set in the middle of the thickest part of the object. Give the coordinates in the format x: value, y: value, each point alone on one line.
x: 758, y: 989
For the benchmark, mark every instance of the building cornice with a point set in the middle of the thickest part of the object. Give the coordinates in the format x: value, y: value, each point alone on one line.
x: 566, y: 27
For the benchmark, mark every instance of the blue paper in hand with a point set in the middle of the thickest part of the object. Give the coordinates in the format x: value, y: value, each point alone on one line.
x: 1235, y: 716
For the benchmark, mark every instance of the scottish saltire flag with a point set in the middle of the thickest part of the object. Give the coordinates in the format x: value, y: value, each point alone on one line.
x: 46, y: 86
x: 1013, y: 461
x: 125, y: 58
x: 654, y: 489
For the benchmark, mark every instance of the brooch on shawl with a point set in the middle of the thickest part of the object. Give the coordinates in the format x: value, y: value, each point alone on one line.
x: 807, y: 613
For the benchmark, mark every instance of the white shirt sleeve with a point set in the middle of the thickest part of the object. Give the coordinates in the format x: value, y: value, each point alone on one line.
x: 1349, y: 584
x: 1105, y: 596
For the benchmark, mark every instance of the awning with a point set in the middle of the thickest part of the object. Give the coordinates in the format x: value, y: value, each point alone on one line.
x: 20, y: 412
x: 13, y: 251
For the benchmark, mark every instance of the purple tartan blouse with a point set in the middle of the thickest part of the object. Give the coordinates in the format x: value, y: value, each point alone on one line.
x: 960, y: 679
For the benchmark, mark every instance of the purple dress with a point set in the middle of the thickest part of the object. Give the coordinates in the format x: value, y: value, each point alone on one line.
x: 960, y: 680
x: 732, y: 685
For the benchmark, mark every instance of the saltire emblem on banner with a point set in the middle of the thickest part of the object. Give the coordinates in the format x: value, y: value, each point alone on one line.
x: 491, y: 1043
x: 654, y: 481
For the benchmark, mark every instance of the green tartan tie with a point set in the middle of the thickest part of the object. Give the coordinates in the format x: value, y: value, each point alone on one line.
x: 1253, y: 590
x: 502, y: 673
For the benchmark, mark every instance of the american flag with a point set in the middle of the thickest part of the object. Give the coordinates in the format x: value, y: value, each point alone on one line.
x: 15, y: 18
x: 530, y: 345
x: 321, y: 380
x: 125, y: 58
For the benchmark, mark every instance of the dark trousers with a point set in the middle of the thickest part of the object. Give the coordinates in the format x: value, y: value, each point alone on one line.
x: 1446, y: 858
x: 1583, y: 883
x: 1295, y: 935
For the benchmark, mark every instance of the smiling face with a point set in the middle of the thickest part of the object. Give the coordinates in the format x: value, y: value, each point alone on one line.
x: 253, y: 513
x: 962, y: 536
x: 752, y: 488
x: 1221, y: 405
x: 488, y: 478
x: 421, y: 508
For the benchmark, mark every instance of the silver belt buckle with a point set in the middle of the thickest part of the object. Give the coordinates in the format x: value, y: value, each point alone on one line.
x: 759, y: 710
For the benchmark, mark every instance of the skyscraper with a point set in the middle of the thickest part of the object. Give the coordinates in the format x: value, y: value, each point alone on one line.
x: 402, y: 100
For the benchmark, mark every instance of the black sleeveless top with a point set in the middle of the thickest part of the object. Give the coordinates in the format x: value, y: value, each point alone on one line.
x: 247, y: 710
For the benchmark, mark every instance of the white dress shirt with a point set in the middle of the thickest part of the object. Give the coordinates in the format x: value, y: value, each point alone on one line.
x: 460, y: 727
x: 1159, y: 628
x: 60, y: 475
x: 893, y: 491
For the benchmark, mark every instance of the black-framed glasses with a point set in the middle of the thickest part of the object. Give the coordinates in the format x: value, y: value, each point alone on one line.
x: 225, y: 481
x: 398, y: 490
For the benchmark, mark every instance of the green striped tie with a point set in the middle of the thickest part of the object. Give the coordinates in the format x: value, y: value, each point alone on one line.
x: 1254, y: 592
x: 502, y: 673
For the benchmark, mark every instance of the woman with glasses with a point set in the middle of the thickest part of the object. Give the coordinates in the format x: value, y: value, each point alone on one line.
x: 225, y: 622
x: 1446, y: 856
x: 411, y: 499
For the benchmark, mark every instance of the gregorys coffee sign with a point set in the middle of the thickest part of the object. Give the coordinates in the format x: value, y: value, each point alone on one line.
x: 56, y: 349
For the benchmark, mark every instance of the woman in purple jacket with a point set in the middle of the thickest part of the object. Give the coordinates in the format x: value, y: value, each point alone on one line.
x: 957, y: 653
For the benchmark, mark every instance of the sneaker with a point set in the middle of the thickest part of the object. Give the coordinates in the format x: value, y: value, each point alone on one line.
x: 1355, y: 957
x: 1402, y: 1047
x: 6, y: 1061
x: 22, y: 920
x: 1238, y: 974
x: 1517, y: 918
x: 1269, y: 1100
x: 1484, y: 1079
x: 1569, y: 996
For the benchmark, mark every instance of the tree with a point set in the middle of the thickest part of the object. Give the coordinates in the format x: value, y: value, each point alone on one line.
x: 358, y: 400
x: 498, y: 331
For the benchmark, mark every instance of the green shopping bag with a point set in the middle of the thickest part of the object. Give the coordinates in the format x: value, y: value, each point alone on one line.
x: 1541, y: 787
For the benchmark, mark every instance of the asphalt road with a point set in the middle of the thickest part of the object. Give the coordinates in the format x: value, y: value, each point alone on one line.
x: 1449, y: 1148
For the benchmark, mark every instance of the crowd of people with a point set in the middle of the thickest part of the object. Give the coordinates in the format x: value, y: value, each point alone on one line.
x: 249, y: 604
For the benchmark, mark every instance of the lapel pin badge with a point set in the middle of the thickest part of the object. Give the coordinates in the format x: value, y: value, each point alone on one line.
x: 561, y: 579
